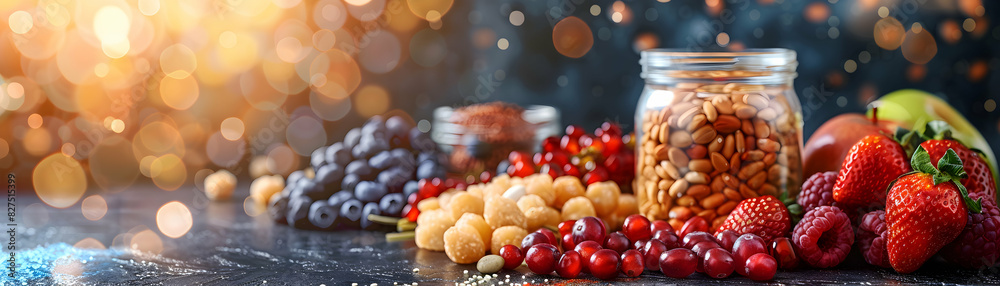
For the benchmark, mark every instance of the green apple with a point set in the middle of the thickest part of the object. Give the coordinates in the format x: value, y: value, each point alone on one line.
x: 912, y: 109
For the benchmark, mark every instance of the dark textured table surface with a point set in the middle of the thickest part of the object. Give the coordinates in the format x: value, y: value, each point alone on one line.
x: 229, y: 247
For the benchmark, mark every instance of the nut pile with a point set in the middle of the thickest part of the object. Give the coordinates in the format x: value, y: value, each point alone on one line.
x: 468, y: 224
x: 713, y: 146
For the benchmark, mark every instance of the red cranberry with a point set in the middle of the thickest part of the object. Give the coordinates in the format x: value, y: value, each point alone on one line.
x: 557, y: 157
x: 701, y: 248
x: 678, y: 262
x: 538, y: 159
x: 604, y: 264
x: 571, y: 170
x: 520, y: 169
x: 589, y: 228
x: 695, y: 237
x: 551, y: 169
x: 692, y: 225
x: 534, y: 238
x: 746, y: 246
x: 599, y: 174
x: 611, y: 128
x: 586, y: 249
x: 567, y: 242
x: 761, y: 267
x: 541, y: 258
x: 550, y: 235
x: 636, y: 227
x: 782, y: 251
x: 726, y: 238
x: 570, y: 264
x: 512, y: 256
x: 566, y: 227
x: 651, y: 253
x: 632, y: 263
x: 660, y: 225
x: 518, y: 156
x: 639, y: 244
x: 668, y: 237
x: 718, y: 263
x: 617, y: 241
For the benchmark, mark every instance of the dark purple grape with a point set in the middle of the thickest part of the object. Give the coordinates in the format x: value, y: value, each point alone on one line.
x: 404, y: 158
x: 502, y: 167
x: 398, y: 131
x: 369, y: 209
x: 392, y: 204
x: 350, y: 212
x: 374, y: 125
x: 350, y: 182
x: 429, y: 170
x: 277, y: 208
x: 339, y: 198
x: 298, y: 212
x: 322, y: 215
x: 294, y: 177
x: 313, y: 189
x: 338, y: 154
x: 427, y: 156
x: 352, y: 138
x: 368, y: 191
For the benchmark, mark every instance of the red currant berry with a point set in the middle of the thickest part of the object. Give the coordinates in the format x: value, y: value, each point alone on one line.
x: 570, y: 144
x: 692, y: 225
x: 668, y: 237
x: 660, y: 225
x: 587, y: 248
x: 550, y: 144
x: 747, y: 245
x: 566, y: 227
x: 726, y: 238
x: 678, y: 263
x: 761, y: 267
x: 574, y: 131
x: 538, y: 159
x: 512, y: 256
x: 485, y: 177
x: 542, y: 258
x: 604, y: 264
x: 718, y: 263
x: 617, y: 241
x: 611, y: 128
x: 534, y: 238
x: 570, y: 264
x: 651, y: 253
x: 571, y: 170
x: 551, y: 169
x: 695, y: 237
x: 783, y: 252
x: 518, y: 156
x: 589, y: 228
x: 599, y: 174
x: 637, y: 227
x: 632, y: 263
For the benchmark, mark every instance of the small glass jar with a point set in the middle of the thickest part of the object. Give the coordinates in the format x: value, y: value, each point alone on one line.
x: 714, y: 128
x: 478, y: 137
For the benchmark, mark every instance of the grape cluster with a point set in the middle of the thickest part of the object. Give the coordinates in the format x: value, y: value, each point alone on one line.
x: 371, y: 171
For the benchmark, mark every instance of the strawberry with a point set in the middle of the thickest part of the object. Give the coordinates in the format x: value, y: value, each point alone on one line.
x: 764, y: 216
x: 980, y: 182
x: 869, y: 167
x: 926, y: 209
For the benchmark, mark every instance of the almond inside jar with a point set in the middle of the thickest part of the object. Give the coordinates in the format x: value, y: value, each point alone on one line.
x: 714, y: 145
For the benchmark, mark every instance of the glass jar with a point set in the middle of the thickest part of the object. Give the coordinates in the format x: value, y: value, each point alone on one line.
x: 715, y: 128
x: 478, y: 137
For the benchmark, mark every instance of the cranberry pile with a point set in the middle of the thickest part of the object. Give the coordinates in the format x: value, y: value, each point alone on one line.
x: 584, y: 246
x: 605, y: 155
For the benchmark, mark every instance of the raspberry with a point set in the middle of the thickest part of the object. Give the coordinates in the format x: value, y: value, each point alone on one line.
x: 979, y: 244
x: 817, y: 191
x: 824, y: 237
x: 872, y: 237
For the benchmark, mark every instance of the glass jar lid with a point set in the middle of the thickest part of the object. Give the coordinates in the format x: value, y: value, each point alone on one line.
x: 765, y: 66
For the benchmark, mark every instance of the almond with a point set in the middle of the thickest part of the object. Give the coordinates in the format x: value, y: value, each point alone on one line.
x: 726, y: 124
x: 703, y: 135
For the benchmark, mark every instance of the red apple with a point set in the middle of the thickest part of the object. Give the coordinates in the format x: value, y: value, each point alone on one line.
x: 828, y: 146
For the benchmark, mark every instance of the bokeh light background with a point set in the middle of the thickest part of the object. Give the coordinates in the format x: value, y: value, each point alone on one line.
x: 99, y: 96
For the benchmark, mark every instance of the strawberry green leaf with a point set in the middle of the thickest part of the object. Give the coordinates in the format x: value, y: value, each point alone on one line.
x: 975, y: 206
x: 937, y: 129
x: 951, y: 164
x: 921, y: 161
x: 908, y: 139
